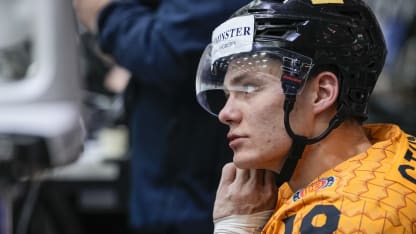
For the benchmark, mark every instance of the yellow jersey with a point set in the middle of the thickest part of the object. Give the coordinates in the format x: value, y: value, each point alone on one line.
x: 373, y: 192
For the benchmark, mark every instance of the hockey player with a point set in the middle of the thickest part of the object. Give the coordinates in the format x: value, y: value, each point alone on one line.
x: 292, y: 80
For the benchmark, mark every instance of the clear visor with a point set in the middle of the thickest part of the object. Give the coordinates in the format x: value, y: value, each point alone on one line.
x: 284, y: 66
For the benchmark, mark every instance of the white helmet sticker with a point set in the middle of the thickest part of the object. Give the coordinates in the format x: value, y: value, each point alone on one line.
x: 233, y: 36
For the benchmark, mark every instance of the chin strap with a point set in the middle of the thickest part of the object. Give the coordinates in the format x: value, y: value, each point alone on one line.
x: 299, y: 142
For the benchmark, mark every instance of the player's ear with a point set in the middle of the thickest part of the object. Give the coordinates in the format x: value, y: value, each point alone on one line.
x: 325, y: 91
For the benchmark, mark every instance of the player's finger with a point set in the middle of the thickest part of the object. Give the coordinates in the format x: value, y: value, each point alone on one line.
x: 242, y: 175
x: 228, y: 174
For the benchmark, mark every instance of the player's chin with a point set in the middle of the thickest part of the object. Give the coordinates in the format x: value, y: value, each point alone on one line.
x: 244, y: 160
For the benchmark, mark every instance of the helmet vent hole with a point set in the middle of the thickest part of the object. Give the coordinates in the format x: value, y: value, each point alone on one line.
x: 278, y: 28
x: 253, y: 11
x: 274, y: 32
x: 353, y: 14
x: 371, y: 65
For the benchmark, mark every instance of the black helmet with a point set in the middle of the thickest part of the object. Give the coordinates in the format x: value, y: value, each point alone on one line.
x: 341, y: 34
x: 306, y: 37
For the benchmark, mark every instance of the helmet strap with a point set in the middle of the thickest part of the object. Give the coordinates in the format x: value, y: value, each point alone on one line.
x: 299, y: 142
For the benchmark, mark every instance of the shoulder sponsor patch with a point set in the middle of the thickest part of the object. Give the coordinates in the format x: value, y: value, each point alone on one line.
x: 315, y: 186
x: 317, y: 2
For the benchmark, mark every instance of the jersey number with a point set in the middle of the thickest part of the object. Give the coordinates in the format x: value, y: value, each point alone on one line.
x: 329, y: 211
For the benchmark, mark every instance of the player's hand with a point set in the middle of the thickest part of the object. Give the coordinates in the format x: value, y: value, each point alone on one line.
x: 87, y: 12
x: 244, y: 191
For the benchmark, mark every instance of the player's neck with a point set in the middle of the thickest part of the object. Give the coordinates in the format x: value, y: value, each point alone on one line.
x: 346, y: 141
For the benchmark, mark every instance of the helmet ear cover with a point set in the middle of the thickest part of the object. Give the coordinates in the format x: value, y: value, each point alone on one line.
x: 354, y: 92
x: 355, y: 85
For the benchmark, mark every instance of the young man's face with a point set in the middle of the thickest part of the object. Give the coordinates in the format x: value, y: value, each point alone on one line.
x: 257, y: 134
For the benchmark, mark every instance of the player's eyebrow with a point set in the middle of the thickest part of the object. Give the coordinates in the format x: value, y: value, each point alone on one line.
x: 237, y: 79
x: 243, y: 77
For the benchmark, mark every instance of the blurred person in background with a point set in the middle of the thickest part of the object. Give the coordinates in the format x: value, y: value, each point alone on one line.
x: 177, y: 152
x: 394, y: 96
